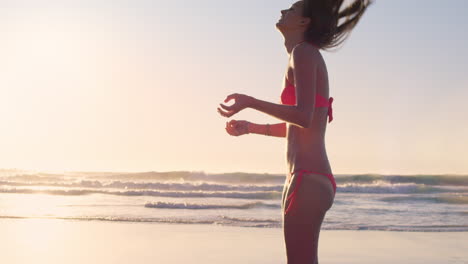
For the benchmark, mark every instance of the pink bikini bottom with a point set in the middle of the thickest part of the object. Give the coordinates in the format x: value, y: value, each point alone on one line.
x: 292, y: 196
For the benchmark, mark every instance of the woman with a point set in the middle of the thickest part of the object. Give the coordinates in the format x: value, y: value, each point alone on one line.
x: 309, y: 190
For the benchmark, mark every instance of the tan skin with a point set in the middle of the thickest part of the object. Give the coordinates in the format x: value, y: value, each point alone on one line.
x: 304, y: 127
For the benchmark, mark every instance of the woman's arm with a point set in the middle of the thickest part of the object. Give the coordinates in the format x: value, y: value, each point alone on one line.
x: 275, y: 130
x: 288, y: 113
x: 304, y: 64
x: 293, y: 114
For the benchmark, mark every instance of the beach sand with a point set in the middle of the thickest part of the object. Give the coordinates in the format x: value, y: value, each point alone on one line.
x: 66, y: 241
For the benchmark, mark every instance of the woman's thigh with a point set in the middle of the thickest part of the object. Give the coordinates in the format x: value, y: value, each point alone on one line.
x: 302, y: 224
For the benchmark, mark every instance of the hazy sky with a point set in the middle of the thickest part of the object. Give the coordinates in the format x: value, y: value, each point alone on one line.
x: 134, y: 86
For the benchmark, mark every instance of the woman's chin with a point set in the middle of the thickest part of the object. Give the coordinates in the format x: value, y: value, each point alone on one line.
x: 280, y: 26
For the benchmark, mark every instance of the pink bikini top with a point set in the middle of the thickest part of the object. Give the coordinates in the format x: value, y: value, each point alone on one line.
x: 288, y: 97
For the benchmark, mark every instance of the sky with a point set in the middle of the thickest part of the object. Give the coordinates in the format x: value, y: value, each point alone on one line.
x: 133, y: 85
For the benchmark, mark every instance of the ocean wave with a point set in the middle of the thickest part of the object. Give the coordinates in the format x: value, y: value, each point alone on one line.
x: 401, y: 228
x: 240, y: 182
x: 176, y: 176
x: 236, y: 177
x: 448, y: 199
x: 255, y: 220
x: 450, y: 180
x: 169, y: 186
x: 34, y: 178
x: 169, y: 205
x: 232, y: 178
x: 219, y: 220
x: 265, y: 195
x: 386, y: 187
x: 152, y: 189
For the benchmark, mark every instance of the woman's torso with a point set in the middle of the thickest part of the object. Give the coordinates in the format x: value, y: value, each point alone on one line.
x: 306, y: 146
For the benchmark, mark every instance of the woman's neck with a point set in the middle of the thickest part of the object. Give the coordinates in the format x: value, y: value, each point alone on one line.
x: 292, y: 41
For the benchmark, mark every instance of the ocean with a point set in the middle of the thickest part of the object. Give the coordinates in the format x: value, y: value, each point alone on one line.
x: 427, y: 203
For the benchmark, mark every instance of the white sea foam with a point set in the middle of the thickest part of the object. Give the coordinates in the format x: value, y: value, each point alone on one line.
x: 172, y: 205
x: 387, y: 187
x: 230, y: 194
x: 169, y: 186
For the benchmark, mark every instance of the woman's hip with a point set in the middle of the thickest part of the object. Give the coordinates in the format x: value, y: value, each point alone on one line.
x: 308, y: 188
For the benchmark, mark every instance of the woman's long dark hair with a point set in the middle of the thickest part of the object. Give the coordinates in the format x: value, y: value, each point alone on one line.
x: 324, y: 30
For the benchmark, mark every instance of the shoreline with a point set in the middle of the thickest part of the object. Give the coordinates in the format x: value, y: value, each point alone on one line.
x: 75, y: 241
x: 143, y: 221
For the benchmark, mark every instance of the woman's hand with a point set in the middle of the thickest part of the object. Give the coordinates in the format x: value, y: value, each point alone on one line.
x: 237, y: 127
x: 242, y: 101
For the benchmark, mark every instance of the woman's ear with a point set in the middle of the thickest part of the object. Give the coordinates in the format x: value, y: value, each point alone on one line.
x: 305, y: 21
